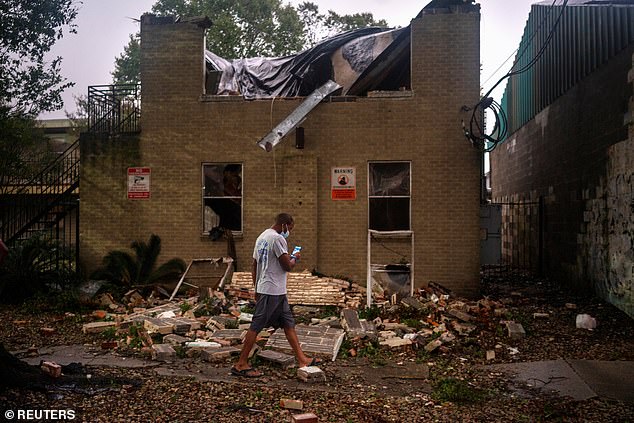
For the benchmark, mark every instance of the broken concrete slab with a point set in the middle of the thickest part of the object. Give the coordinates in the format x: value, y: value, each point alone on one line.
x: 87, y: 355
x: 351, y: 323
x: 284, y: 360
x: 431, y: 346
x: 318, y: 340
x: 552, y: 376
x: 609, y: 379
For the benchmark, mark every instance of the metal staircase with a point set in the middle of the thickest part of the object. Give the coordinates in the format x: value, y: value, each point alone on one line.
x: 48, y: 205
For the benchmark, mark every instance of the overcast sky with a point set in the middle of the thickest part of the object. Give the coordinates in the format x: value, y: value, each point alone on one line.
x: 103, y: 29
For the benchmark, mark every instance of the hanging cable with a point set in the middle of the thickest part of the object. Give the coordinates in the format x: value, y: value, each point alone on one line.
x: 476, y: 133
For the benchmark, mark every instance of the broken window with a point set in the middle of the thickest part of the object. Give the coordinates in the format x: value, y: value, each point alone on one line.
x: 389, y: 196
x: 222, y: 196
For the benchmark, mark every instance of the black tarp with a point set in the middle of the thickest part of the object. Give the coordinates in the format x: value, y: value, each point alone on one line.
x: 295, y: 75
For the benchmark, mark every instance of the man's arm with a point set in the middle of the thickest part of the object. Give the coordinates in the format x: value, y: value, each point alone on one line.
x: 287, y: 262
x: 254, y: 272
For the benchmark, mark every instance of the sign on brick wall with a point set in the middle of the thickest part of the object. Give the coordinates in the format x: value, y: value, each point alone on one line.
x: 138, y: 182
x: 343, y: 184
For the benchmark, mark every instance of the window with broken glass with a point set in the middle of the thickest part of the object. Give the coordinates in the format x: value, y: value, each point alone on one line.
x: 222, y: 196
x: 389, y: 196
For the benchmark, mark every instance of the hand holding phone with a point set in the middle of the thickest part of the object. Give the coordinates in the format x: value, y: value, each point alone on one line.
x: 296, y: 250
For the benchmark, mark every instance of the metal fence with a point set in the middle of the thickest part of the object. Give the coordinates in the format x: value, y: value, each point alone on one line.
x: 521, y: 239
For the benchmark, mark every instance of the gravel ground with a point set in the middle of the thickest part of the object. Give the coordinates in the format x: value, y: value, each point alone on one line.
x: 377, y: 386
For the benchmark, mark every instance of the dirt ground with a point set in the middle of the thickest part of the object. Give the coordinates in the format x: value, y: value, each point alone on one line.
x: 450, y: 384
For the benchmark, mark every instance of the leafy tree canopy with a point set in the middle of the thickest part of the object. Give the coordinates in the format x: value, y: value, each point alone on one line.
x: 249, y: 28
x: 28, y: 29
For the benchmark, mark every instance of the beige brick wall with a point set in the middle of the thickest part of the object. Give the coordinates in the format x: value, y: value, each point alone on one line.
x: 181, y: 131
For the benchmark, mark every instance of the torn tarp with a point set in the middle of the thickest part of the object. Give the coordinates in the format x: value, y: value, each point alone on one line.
x: 342, y: 58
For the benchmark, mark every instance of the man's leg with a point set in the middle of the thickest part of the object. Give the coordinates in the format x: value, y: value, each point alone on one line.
x: 243, y: 361
x: 291, y: 336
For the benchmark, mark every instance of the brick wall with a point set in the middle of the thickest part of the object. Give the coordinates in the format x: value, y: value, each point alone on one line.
x: 577, y: 156
x: 182, y: 129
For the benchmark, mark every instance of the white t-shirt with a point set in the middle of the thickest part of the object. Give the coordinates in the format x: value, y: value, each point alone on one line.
x: 271, y: 277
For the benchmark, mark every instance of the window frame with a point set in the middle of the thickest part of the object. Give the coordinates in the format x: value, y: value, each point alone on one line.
x: 205, y: 197
x: 370, y: 197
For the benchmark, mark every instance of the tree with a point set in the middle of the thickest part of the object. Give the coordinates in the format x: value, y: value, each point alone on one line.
x: 28, y: 30
x: 22, y: 149
x: 127, y: 66
x: 248, y: 28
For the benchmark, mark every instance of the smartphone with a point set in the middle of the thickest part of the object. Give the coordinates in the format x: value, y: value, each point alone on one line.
x: 296, y: 250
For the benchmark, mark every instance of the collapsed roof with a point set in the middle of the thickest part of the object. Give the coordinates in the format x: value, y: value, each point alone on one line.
x: 359, y: 61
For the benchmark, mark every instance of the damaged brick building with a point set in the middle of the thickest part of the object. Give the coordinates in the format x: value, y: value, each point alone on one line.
x: 377, y: 172
x: 571, y: 146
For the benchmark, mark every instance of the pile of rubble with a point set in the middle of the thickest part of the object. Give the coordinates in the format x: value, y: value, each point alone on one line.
x: 213, y: 327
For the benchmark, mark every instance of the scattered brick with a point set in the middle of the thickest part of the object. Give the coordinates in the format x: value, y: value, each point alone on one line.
x: 52, y: 369
x: 291, y: 404
x: 311, y: 374
x: 47, y: 331
x: 97, y: 327
x: 163, y: 352
x: 304, y: 418
x: 515, y: 330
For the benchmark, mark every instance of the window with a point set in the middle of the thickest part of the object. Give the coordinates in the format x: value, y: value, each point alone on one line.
x: 222, y: 196
x: 389, y: 196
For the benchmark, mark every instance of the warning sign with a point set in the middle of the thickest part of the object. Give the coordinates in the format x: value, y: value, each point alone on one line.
x: 138, y: 183
x: 343, y: 184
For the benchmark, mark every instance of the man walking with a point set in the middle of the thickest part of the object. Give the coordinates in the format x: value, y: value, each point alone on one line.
x: 271, y: 263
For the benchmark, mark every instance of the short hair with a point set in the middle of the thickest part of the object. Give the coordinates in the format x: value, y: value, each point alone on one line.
x: 283, y: 219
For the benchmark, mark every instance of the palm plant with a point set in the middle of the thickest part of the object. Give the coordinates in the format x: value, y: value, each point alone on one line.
x: 139, y: 269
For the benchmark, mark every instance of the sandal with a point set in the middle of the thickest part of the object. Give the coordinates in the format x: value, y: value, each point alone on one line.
x: 315, y: 362
x: 250, y: 372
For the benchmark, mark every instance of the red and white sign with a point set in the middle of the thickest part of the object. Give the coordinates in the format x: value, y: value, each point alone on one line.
x: 138, y: 182
x: 343, y: 184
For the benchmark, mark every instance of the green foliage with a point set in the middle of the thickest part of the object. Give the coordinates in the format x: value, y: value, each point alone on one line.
x: 185, y: 307
x: 36, y: 266
x: 455, y: 390
x: 31, y: 82
x: 135, y: 336
x: 413, y: 323
x: 23, y: 150
x: 248, y: 28
x: 124, y: 269
x: 370, y: 313
x: 109, y: 334
x: 127, y: 66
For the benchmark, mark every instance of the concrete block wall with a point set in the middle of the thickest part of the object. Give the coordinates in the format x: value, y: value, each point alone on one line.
x: 182, y: 129
x: 576, y: 154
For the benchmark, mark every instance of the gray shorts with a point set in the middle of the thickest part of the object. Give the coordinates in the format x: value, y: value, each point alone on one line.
x: 272, y: 310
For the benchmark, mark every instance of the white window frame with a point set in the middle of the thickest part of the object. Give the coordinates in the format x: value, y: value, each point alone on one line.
x: 205, y: 197
x: 403, y: 231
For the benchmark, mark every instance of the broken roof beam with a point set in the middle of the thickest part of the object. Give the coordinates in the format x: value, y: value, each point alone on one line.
x: 297, y: 116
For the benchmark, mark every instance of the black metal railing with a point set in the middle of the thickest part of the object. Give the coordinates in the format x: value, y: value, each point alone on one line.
x: 42, y: 203
x: 114, y: 109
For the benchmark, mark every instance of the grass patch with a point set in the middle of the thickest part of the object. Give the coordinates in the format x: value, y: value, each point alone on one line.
x: 457, y: 391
